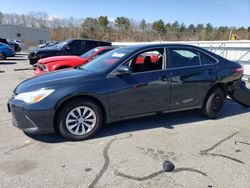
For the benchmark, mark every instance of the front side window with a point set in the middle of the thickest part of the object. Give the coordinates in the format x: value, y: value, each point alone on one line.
x: 147, y: 61
x: 183, y: 57
x: 75, y: 45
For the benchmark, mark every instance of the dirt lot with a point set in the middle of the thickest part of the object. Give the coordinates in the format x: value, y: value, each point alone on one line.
x: 206, y: 153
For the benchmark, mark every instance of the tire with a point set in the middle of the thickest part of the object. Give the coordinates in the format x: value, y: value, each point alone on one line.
x: 74, y: 128
x: 213, y: 103
x: 4, y: 56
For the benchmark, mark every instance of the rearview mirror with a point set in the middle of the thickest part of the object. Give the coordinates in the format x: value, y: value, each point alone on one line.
x: 123, y: 70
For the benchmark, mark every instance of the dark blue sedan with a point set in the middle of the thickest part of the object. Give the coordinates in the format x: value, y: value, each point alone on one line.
x: 116, y: 86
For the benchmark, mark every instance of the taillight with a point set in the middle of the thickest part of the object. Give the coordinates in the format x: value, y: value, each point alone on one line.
x: 240, y: 70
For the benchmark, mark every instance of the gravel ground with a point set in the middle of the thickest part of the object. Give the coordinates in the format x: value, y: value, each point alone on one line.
x: 206, y: 153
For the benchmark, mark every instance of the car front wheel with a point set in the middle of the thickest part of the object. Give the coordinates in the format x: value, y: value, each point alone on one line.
x: 213, y: 103
x: 79, y: 119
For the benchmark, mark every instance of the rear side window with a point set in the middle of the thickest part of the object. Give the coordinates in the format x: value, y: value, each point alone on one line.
x: 206, y: 60
x: 75, y: 45
x: 104, y: 44
x: 91, y: 44
x: 183, y: 57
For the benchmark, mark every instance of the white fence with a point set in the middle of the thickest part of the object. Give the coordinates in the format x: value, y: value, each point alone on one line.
x: 233, y: 50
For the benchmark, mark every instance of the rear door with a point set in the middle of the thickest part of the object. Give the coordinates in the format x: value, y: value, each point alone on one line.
x: 192, y: 72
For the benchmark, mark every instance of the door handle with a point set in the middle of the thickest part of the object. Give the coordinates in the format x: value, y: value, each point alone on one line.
x: 213, y: 69
x: 164, y: 78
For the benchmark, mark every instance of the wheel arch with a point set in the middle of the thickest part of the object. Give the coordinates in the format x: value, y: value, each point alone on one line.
x: 221, y: 85
x: 66, y: 100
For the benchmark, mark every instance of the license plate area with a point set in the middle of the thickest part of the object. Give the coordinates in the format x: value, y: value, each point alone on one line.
x: 8, y: 107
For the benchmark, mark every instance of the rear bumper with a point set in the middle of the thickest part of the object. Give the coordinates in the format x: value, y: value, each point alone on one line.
x: 33, y: 119
x: 241, y: 95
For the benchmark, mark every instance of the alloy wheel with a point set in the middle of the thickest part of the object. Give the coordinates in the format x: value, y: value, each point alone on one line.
x: 81, y: 120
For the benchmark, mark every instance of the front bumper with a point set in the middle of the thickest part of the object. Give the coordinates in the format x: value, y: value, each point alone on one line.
x: 33, y: 59
x: 33, y: 119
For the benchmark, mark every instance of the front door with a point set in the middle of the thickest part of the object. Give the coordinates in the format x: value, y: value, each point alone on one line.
x: 146, y: 90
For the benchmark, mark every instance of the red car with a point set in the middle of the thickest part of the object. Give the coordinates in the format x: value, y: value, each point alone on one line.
x: 61, y: 62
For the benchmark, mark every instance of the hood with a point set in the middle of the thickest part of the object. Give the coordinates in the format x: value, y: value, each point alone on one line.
x: 52, y: 80
x: 59, y: 58
x: 45, y: 50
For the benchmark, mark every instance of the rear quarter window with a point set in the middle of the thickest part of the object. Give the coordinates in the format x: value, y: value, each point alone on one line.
x: 207, y: 60
x: 91, y: 44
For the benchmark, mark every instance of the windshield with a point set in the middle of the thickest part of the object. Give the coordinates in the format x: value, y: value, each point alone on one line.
x: 62, y: 44
x: 89, y: 53
x: 107, y: 60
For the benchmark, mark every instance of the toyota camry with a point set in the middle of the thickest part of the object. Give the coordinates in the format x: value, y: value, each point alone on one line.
x: 113, y: 87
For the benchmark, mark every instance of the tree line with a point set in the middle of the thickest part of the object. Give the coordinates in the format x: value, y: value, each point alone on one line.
x: 122, y: 28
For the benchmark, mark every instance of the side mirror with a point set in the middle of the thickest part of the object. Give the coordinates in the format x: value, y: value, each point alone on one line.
x: 123, y: 70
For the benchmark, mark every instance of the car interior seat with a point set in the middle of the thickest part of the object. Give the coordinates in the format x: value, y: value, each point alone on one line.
x: 158, y: 64
x: 147, y: 65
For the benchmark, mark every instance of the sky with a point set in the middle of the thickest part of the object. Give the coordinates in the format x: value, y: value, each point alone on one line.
x: 217, y: 12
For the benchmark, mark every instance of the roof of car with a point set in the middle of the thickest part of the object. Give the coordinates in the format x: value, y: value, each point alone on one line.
x: 142, y: 46
x: 89, y: 40
x: 107, y: 47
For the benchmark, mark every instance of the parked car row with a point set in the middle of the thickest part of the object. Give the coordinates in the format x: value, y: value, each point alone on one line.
x: 123, y: 83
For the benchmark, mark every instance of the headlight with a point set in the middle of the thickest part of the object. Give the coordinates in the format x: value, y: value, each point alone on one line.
x: 43, y: 67
x: 34, y: 96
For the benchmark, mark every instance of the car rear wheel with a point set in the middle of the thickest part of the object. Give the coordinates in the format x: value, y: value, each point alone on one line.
x: 4, y: 56
x: 79, y: 119
x: 214, y: 103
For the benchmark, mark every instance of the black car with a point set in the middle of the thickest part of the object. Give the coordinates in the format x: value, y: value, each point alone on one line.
x: 68, y: 47
x: 119, y: 85
x: 16, y: 45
